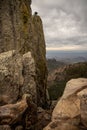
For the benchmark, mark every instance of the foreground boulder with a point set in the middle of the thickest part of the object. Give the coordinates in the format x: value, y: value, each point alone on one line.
x: 11, y: 113
x: 69, y: 104
x: 17, y: 78
x: 70, y: 110
x: 11, y: 77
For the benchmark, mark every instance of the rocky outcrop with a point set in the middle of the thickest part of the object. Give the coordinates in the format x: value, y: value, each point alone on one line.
x: 29, y: 75
x: 22, y: 64
x: 39, y: 55
x: 17, y: 13
x: 70, y: 111
x: 69, y: 104
x: 11, y: 113
x: 11, y: 77
x: 18, y: 78
x: 24, y: 32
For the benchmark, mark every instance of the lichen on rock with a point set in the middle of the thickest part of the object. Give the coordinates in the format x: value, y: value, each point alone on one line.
x: 23, y: 58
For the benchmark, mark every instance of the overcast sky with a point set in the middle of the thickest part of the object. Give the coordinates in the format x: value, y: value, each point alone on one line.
x: 65, y: 23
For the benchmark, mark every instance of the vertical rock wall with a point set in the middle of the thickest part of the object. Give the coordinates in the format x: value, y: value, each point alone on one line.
x: 40, y: 52
x: 23, y: 32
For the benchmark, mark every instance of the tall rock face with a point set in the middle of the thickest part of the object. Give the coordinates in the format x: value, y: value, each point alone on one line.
x: 14, y: 15
x: 40, y: 59
x: 21, y: 31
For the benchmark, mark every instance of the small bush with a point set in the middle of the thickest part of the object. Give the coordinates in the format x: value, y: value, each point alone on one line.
x: 56, y: 90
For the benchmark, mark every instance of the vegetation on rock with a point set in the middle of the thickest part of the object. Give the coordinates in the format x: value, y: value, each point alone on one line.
x: 58, y: 78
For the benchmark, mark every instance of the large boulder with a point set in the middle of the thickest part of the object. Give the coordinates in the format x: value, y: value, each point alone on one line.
x: 71, y: 107
x: 11, y: 113
x: 17, y: 76
x: 11, y: 77
x: 69, y: 104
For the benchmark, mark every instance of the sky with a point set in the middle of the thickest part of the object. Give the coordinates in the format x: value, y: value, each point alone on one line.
x: 64, y: 23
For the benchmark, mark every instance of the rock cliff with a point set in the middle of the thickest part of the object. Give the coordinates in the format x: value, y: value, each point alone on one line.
x: 21, y: 31
x: 23, y: 71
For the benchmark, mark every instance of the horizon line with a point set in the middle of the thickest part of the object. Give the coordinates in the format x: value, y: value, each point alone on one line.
x: 56, y: 49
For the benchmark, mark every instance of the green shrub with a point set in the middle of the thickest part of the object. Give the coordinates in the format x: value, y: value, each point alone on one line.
x: 56, y: 90
x: 76, y: 71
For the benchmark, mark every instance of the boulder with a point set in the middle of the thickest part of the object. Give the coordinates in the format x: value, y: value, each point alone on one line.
x: 11, y: 113
x: 69, y: 104
x: 71, y: 109
x: 11, y: 77
x: 74, y: 86
x: 17, y: 78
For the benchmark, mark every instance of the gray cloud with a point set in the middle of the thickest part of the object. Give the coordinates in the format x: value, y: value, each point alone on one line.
x: 65, y: 22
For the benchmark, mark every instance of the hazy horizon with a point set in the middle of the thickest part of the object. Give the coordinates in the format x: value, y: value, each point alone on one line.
x: 77, y: 56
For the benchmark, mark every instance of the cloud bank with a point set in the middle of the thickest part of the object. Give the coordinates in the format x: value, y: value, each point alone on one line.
x: 65, y: 23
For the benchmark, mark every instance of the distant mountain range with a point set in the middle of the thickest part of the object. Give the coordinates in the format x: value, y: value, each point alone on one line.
x: 53, y: 64
x: 67, y: 57
x: 73, y: 60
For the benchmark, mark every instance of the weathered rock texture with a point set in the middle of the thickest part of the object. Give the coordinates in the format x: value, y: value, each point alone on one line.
x: 70, y: 112
x: 21, y: 31
x: 11, y: 77
x: 29, y: 75
x: 22, y: 65
x: 17, y: 78
x: 11, y: 113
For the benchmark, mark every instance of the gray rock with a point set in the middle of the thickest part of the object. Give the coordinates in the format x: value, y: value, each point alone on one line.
x: 21, y: 31
x: 29, y: 74
x: 11, y: 113
x: 10, y: 77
